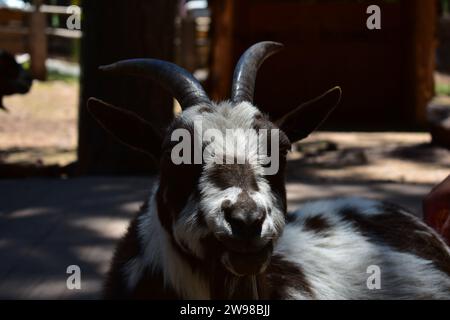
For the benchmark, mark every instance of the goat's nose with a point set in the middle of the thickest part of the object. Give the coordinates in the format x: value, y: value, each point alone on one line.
x: 245, y: 224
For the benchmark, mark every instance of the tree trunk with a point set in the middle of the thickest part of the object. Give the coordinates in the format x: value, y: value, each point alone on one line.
x: 114, y: 30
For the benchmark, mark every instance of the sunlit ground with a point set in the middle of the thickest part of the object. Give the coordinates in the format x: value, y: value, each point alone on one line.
x: 40, y: 127
x: 373, y: 157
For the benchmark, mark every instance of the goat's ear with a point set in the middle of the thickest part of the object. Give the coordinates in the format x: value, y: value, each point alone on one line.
x: 127, y: 127
x: 302, y: 121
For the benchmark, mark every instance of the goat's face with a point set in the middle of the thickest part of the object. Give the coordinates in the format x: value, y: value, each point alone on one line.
x: 232, y: 209
x: 221, y: 196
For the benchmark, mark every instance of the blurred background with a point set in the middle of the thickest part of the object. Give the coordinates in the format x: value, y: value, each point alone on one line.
x: 68, y: 189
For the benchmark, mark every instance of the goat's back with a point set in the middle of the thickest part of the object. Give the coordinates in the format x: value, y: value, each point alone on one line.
x: 333, y: 249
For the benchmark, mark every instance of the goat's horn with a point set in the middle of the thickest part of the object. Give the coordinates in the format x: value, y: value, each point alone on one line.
x: 180, y: 83
x: 245, y: 73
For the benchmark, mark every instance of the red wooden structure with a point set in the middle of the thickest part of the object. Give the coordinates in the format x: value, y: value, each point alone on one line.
x: 386, y: 75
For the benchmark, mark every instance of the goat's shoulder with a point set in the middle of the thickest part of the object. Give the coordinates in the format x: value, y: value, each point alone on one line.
x: 333, y: 242
x: 129, y: 276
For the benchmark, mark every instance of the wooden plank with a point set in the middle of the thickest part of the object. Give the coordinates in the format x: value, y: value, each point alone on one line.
x: 14, y: 44
x: 57, y: 32
x: 64, y: 33
x: 8, y: 17
x: 5, y: 31
x: 13, y: 33
x: 113, y: 31
x: 38, y: 43
x: 222, y: 48
x: 424, y: 44
x: 49, y: 9
x: 387, y: 72
x: 188, y: 44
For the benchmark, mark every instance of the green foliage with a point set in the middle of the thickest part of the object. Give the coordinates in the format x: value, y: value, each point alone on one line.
x: 442, y: 89
x: 26, y: 65
x: 445, y: 6
x: 57, y: 76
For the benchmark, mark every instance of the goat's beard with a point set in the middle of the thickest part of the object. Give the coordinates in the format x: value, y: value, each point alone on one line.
x: 236, y: 275
x: 226, y: 285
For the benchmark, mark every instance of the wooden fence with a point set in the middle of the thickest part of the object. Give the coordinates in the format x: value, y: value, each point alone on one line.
x: 386, y: 75
x: 27, y: 31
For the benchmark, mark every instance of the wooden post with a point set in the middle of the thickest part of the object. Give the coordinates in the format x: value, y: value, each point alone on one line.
x: 424, y: 43
x: 115, y: 30
x: 38, y: 42
x: 188, y: 43
x: 222, y: 47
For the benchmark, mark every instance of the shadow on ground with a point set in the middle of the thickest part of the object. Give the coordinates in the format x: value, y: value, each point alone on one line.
x: 47, y: 225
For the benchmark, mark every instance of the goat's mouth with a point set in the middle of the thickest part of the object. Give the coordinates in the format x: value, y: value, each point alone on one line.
x: 247, y: 263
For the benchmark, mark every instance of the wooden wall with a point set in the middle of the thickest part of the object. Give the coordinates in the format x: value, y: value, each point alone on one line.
x: 113, y: 31
x: 14, y: 42
x: 386, y: 75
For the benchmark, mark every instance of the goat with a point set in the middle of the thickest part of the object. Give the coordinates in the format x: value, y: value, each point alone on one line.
x: 13, y: 78
x: 222, y: 231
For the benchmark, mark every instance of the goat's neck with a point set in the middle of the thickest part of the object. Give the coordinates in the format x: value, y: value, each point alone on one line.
x: 162, y: 257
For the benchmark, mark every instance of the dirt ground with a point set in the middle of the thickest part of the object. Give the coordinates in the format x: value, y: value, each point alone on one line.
x: 370, y: 157
x: 40, y: 127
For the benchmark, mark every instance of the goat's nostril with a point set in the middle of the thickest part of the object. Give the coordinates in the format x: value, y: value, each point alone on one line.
x: 245, y: 224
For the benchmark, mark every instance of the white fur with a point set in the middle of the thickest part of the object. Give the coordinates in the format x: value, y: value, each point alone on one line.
x: 335, y: 264
x: 159, y: 255
x: 187, y: 230
x: 226, y: 116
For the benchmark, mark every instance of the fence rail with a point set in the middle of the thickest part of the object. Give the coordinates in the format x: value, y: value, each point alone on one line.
x: 26, y: 31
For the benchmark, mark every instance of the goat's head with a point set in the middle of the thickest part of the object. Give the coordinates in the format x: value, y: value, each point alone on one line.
x: 13, y: 78
x: 227, y: 211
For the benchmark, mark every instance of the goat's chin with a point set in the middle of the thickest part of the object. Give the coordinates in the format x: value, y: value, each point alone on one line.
x: 247, y: 264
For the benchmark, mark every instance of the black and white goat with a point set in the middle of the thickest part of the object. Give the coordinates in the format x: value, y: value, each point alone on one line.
x: 219, y: 231
x: 13, y: 78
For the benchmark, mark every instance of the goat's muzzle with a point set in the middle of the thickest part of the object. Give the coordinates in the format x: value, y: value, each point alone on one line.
x: 246, y: 264
x: 246, y: 250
